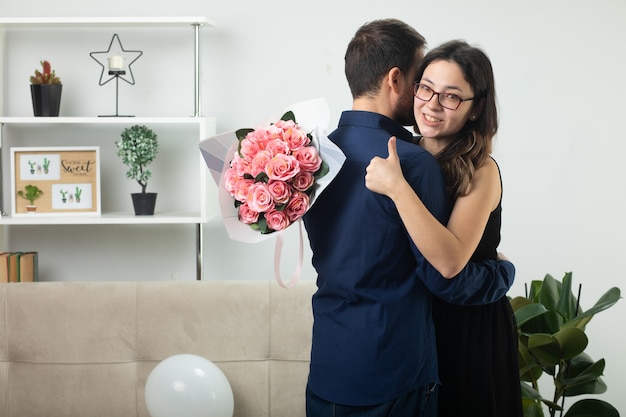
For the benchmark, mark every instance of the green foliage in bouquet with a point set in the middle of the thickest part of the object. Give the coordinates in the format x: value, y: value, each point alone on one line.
x: 138, y: 146
x: 45, y: 76
x: 551, y: 327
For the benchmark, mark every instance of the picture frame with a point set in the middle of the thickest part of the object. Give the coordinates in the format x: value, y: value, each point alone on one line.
x: 68, y: 177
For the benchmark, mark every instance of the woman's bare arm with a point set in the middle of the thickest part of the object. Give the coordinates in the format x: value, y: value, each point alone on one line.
x: 449, y: 248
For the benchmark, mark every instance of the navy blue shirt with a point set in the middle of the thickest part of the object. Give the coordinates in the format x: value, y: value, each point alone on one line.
x: 373, y: 336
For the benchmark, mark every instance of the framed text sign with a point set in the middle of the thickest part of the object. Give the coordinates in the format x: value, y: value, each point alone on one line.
x: 55, y: 181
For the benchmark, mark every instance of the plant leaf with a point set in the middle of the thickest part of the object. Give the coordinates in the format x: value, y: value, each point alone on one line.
x: 566, y: 305
x: 324, y: 169
x: 550, y: 350
x: 591, y: 408
x: 530, y: 395
x: 597, y: 386
x: 582, y: 376
x: 242, y: 133
x: 572, y: 341
x: 289, y: 116
x: 549, y: 322
x: 608, y: 299
x: 549, y: 294
x: 526, y: 312
x: 535, y: 290
x: 529, y: 370
x: 531, y: 408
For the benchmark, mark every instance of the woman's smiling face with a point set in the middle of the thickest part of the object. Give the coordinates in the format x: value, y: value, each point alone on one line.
x: 434, y: 120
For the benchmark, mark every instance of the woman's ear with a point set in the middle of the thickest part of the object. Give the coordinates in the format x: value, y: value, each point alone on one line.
x: 477, y: 110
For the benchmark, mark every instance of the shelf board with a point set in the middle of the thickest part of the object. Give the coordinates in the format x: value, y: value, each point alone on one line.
x: 107, y: 218
x: 31, y: 120
x: 104, y: 21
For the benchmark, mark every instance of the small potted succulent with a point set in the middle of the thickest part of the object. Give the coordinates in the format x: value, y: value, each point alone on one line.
x: 30, y: 193
x: 138, y: 146
x: 45, y: 90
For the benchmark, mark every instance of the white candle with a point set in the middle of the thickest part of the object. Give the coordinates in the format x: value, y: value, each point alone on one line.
x: 116, y: 63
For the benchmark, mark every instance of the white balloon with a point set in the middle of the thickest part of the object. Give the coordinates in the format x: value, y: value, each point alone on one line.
x: 188, y: 385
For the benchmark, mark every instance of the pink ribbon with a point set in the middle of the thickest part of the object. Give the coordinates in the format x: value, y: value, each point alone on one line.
x: 277, y: 252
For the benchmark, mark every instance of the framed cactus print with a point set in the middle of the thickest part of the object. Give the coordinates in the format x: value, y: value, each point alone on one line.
x: 60, y: 181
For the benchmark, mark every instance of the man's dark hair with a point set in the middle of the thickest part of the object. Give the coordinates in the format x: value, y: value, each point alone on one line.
x: 376, y: 48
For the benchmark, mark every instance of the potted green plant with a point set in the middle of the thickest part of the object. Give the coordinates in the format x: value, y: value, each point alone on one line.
x: 45, y: 90
x: 30, y: 193
x: 138, y: 146
x: 551, y: 327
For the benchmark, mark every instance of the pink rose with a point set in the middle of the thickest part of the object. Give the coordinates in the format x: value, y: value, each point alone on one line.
x: 230, y: 181
x: 279, y: 190
x: 296, y: 138
x: 277, y: 146
x: 263, y: 135
x: 303, y: 181
x: 240, y: 165
x: 246, y: 215
x: 241, y: 191
x: 259, y: 162
x: 259, y: 197
x: 297, y: 206
x: 282, y: 167
x: 308, y: 158
x: 248, y: 149
x: 276, y: 220
x: 285, y: 124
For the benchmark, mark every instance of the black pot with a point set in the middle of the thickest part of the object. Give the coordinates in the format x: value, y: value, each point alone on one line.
x: 144, y: 203
x: 46, y: 99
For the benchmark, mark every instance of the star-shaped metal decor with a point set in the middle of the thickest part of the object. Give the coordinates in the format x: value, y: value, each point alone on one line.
x: 118, y: 74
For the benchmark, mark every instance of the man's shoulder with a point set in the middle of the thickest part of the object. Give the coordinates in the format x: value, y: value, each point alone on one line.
x: 410, y: 152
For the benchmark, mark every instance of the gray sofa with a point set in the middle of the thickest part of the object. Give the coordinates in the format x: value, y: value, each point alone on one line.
x: 86, y: 349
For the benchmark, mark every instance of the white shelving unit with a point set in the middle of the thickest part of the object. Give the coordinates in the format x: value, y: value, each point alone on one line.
x: 182, y: 134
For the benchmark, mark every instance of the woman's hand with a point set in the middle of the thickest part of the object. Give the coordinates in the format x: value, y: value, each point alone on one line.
x: 384, y: 175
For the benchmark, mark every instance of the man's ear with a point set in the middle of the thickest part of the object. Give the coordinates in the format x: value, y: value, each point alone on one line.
x: 395, y: 79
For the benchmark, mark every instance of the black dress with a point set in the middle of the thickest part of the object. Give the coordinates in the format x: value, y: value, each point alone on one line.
x: 477, y: 347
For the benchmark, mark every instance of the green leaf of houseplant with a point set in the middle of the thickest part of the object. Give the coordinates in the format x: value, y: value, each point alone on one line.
x: 596, y: 386
x: 530, y: 397
x: 608, y: 299
x: 534, y: 318
x: 550, y: 292
x: 535, y: 290
x: 529, y: 369
x: 592, y: 408
x: 525, y: 310
x: 582, y: 376
x: 550, y: 350
x: 567, y: 304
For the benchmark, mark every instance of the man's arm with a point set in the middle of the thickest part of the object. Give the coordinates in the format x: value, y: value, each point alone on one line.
x: 478, y: 283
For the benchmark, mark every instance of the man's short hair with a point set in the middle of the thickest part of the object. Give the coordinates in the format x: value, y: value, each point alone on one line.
x: 377, y: 47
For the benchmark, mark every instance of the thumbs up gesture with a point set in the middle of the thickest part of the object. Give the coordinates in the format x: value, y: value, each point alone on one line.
x: 383, y: 175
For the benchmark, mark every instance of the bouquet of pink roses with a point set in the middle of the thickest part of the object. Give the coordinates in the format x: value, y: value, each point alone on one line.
x: 273, y: 174
x: 267, y: 178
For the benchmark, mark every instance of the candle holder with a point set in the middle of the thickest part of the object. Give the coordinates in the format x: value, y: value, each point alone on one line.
x: 116, y: 69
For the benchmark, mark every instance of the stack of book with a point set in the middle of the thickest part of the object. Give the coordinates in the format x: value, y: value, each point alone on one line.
x: 18, y: 267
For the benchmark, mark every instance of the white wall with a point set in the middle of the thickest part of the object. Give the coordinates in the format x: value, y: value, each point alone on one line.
x: 559, y: 67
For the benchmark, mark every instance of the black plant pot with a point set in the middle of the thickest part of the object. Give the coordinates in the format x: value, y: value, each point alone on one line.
x: 144, y: 203
x: 46, y: 99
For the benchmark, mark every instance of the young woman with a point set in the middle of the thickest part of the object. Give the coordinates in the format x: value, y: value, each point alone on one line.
x: 456, y: 115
